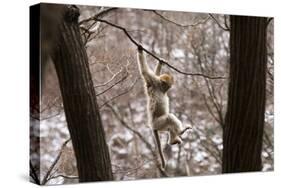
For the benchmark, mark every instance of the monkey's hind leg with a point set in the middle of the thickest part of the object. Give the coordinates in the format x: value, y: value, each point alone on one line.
x: 175, y: 129
x: 174, y: 138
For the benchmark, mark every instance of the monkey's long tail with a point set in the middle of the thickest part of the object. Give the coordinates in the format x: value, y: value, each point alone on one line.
x: 163, y: 161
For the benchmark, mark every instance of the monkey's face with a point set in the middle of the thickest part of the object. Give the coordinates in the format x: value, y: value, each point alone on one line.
x: 167, y: 81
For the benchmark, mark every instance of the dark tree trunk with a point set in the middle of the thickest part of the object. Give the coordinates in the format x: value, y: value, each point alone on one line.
x: 79, y: 100
x: 244, y: 123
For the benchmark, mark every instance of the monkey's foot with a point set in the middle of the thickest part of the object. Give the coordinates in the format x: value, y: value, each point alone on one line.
x: 187, y: 128
x: 176, y: 141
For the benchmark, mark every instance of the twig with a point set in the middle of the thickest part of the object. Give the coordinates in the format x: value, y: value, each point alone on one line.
x: 218, y: 23
x: 46, y: 177
x: 119, y: 81
x: 153, y: 55
x: 112, y: 78
x: 130, y: 171
x: 212, y: 93
x: 178, y: 24
x: 268, y: 21
x: 225, y: 22
x: 120, y: 94
x: 142, y: 138
x: 51, y: 116
x: 97, y: 15
x: 49, y: 105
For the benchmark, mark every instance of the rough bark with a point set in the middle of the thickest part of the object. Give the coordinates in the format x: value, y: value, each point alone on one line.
x: 79, y: 101
x: 244, y: 122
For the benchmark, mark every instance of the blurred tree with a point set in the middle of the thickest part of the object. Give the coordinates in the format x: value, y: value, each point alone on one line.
x: 244, y: 123
x: 79, y: 101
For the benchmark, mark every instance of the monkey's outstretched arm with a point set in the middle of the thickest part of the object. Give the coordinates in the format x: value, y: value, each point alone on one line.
x: 158, y: 68
x: 146, y: 72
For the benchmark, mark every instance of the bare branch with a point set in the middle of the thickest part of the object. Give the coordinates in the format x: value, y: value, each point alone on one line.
x: 210, y: 110
x: 225, y: 22
x: 50, y: 104
x: 123, y: 123
x: 90, y: 35
x: 130, y: 171
x: 51, y: 116
x: 101, y: 13
x: 153, y: 55
x: 269, y: 20
x: 120, y: 94
x: 178, y: 24
x: 119, y: 81
x: 142, y: 138
x: 112, y: 78
x: 218, y: 23
x: 46, y: 177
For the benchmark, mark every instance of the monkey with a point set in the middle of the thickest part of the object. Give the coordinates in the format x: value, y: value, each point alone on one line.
x: 156, y: 86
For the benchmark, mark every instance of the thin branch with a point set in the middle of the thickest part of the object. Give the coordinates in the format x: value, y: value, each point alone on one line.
x: 46, y: 177
x: 90, y: 34
x: 268, y: 21
x: 112, y: 78
x: 142, y: 138
x: 218, y: 23
x: 213, y: 153
x: 49, y: 105
x: 210, y: 110
x: 225, y: 23
x: 153, y: 55
x: 178, y: 24
x: 130, y: 171
x: 92, y: 18
x: 119, y: 81
x: 267, y: 138
x: 120, y: 94
x: 123, y: 123
x: 51, y: 116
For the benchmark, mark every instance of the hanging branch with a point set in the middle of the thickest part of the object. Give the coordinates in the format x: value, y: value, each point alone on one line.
x: 153, y: 55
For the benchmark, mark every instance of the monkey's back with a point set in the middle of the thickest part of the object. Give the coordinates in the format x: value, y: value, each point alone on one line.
x: 157, y: 103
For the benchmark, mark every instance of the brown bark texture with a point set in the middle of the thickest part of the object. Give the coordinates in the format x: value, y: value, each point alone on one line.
x: 244, y: 121
x: 79, y: 101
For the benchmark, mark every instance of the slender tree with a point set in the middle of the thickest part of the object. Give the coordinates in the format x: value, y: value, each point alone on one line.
x: 79, y: 100
x: 244, y: 121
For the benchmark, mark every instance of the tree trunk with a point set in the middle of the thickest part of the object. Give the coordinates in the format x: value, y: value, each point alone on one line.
x: 79, y: 100
x: 244, y: 123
